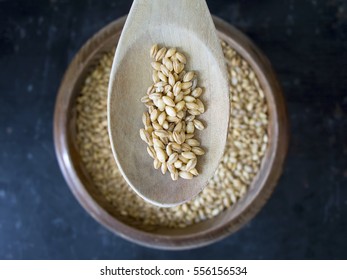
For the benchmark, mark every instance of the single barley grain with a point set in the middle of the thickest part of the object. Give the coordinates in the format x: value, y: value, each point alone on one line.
x: 154, y: 50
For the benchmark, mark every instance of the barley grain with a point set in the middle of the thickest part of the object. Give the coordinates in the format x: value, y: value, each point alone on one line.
x: 179, y: 97
x: 145, y: 99
x: 177, y: 88
x: 181, y: 57
x: 180, y: 114
x: 188, y: 155
x: 163, y: 167
x: 192, y: 106
x: 155, y: 77
x: 168, y: 101
x: 201, y: 106
x: 174, y: 175
x: 197, y: 92
x: 156, y: 65
x: 162, y: 77
x: 193, y: 142
x: 161, y: 155
x: 160, y: 54
x: 151, y: 152
x: 168, y: 64
x: 185, y: 175
x: 176, y: 147
x: 185, y: 147
x: 170, y: 52
x: 154, y: 115
x: 186, y: 85
x: 198, y: 151
x: 188, y: 76
x: 172, y: 158
x: 170, y: 111
x: 178, y: 164
x: 161, y: 118
x: 154, y: 50
x: 194, y: 172
x: 156, y: 164
x: 189, y: 99
x: 198, y: 125
x: 169, y: 150
x: 191, y: 164
x: 178, y: 67
x: 158, y: 143
x: 155, y: 95
x: 146, y: 120
x: 193, y: 111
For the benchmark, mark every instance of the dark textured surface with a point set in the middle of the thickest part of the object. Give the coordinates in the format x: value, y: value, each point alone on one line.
x: 305, y: 218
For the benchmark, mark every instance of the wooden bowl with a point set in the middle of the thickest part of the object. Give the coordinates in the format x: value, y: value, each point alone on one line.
x: 199, y: 234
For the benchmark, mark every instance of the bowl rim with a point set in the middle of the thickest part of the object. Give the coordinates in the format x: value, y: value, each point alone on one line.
x: 260, y: 64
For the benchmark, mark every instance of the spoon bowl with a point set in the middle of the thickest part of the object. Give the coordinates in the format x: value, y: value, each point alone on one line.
x: 190, y: 29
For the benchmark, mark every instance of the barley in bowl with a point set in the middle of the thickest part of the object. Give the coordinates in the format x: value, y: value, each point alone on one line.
x: 246, y: 146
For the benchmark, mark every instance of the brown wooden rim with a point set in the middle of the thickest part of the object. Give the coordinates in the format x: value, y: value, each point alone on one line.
x: 259, y: 63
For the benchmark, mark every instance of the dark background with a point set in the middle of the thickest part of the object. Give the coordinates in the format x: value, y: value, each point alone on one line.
x: 305, y: 218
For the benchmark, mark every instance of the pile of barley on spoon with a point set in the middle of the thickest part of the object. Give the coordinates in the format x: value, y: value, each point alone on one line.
x: 173, y: 106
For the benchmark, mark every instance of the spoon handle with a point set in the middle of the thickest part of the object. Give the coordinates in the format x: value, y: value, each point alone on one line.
x: 192, y: 16
x: 187, y: 13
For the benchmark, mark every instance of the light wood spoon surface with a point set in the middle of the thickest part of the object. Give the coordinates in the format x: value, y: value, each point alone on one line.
x: 188, y: 26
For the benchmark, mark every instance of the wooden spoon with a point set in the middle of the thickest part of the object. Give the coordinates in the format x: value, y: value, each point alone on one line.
x: 188, y: 26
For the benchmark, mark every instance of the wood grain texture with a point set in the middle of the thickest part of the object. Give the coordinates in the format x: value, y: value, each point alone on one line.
x: 199, y: 234
x: 192, y: 31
